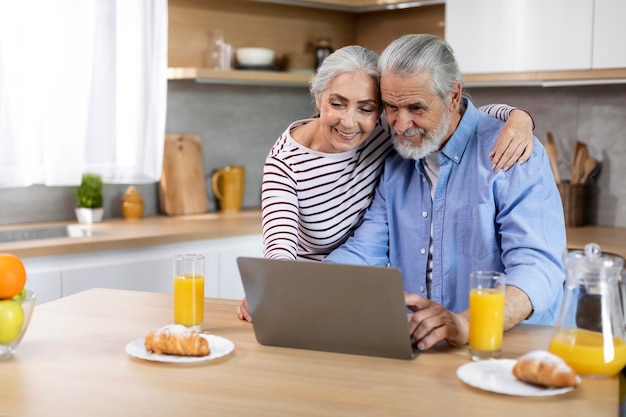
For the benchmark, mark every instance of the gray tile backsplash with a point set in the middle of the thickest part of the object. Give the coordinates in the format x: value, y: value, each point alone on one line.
x: 595, y: 115
x: 238, y: 125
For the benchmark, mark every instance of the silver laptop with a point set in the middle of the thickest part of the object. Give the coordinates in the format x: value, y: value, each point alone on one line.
x: 329, y: 307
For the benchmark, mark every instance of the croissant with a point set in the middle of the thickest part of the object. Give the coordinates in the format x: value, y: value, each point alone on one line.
x: 540, y: 367
x: 176, y: 339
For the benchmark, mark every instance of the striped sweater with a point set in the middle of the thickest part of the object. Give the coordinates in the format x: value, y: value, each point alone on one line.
x: 312, y: 201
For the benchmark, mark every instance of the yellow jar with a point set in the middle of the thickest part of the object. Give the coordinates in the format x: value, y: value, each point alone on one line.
x: 132, y: 204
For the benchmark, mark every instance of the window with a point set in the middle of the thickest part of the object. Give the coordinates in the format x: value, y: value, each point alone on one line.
x: 83, y: 88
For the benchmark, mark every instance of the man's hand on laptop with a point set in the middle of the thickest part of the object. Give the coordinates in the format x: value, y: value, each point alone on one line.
x: 243, y: 312
x: 431, y: 323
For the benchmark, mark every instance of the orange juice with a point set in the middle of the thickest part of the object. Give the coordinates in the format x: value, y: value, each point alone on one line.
x: 587, y: 353
x: 486, y: 319
x: 188, y: 299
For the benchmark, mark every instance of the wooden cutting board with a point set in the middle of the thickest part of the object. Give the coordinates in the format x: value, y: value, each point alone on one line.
x: 182, y: 189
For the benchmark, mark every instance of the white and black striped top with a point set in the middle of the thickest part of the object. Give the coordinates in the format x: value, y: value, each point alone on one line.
x: 312, y: 201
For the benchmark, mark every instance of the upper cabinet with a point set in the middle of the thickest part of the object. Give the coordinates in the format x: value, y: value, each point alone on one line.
x: 537, y: 41
x: 290, y: 28
x: 283, y: 28
x: 609, y: 34
x: 520, y: 35
x: 512, y: 42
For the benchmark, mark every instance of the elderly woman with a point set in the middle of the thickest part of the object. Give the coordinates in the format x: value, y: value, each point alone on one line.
x: 320, y: 175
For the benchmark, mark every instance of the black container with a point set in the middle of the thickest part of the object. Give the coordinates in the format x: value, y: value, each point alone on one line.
x: 322, y: 50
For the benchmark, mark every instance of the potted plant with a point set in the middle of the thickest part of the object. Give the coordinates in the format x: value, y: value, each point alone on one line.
x: 89, y: 199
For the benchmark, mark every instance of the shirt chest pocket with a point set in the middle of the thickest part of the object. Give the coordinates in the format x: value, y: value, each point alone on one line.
x: 476, y: 232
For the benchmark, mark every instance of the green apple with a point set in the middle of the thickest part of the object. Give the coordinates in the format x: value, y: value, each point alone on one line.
x: 11, y: 320
x: 21, y: 296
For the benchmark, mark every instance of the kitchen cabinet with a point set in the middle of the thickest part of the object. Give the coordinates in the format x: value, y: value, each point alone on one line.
x: 609, y: 34
x: 478, y: 34
x: 520, y: 35
x: 248, y: 23
x: 45, y: 283
x: 537, y: 42
x: 142, y: 269
x: 288, y: 27
x: 139, y: 273
x: 229, y: 284
x: 471, y: 30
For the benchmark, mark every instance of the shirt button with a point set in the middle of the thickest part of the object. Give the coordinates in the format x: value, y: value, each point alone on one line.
x: 424, y: 214
x: 422, y: 289
x: 422, y: 251
x: 456, y: 157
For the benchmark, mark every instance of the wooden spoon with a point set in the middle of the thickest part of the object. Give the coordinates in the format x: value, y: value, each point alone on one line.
x: 590, y: 166
x: 552, y: 156
x: 581, y: 153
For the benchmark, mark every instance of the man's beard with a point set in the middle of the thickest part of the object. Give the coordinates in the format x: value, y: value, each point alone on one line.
x: 430, y: 142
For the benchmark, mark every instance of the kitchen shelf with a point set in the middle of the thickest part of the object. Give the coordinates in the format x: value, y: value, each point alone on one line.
x: 287, y: 79
x: 355, y: 6
x: 547, y: 78
x: 240, y: 77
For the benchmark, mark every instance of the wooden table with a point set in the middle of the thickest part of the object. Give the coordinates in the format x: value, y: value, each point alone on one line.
x: 72, y: 362
x: 610, y: 239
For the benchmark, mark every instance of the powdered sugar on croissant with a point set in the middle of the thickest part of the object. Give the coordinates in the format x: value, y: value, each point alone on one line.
x: 543, y: 368
x: 176, y: 339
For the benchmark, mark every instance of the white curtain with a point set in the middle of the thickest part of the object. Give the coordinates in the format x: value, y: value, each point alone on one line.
x: 83, y: 88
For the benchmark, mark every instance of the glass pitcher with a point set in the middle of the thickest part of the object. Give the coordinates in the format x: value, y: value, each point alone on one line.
x: 590, y: 334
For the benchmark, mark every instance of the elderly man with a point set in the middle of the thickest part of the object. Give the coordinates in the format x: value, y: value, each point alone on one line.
x: 440, y: 211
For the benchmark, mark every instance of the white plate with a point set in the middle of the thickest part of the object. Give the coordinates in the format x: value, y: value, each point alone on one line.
x: 219, y: 346
x: 495, y: 376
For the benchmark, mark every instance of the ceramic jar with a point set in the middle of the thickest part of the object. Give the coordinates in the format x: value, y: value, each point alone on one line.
x: 132, y: 204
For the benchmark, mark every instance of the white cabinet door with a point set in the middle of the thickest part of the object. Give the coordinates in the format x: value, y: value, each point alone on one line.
x: 142, y: 269
x: 553, y: 35
x: 230, y: 280
x: 222, y: 278
x: 480, y: 35
x: 609, y: 34
x: 45, y: 282
x: 148, y: 268
x: 491, y: 36
x: 154, y: 275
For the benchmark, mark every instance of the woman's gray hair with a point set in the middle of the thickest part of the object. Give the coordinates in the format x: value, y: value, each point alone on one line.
x: 351, y: 58
x: 418, y: 53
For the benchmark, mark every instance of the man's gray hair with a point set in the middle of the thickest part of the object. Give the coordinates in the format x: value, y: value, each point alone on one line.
x: 417, y: 53
x: 352, y: 58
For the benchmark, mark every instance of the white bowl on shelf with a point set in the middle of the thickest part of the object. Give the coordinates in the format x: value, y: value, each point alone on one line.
x: 254, y: 57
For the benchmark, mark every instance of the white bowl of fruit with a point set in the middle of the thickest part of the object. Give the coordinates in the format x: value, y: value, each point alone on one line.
x: 16, y: 304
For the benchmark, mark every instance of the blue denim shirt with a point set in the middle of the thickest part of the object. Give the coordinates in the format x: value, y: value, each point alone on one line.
x: 506, y: 221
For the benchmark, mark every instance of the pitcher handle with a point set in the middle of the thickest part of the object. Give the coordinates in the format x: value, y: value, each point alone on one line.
x: 216, y: 188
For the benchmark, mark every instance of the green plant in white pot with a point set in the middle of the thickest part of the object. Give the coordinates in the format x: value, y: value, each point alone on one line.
x: 89, y: 199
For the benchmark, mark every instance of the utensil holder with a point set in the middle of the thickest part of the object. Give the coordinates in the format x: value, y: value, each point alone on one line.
x: 574, y: 198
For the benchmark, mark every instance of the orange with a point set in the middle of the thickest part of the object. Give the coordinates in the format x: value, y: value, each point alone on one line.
x: 12, y: 275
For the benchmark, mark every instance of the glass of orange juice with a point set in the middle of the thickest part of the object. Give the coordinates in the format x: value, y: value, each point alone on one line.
x: 486, y: 311
x: 189, y: 290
